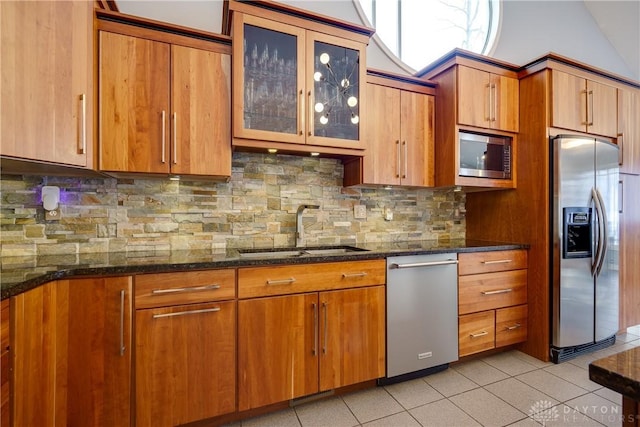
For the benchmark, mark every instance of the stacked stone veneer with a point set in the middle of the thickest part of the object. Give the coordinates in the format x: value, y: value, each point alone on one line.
x: 256, y: 208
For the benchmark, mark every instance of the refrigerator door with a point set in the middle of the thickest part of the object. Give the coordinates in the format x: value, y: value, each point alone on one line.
x: 572, y: 283
x: 606, y: 305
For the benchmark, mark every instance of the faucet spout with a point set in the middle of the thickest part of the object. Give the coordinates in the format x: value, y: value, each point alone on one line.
x: 299, y: 225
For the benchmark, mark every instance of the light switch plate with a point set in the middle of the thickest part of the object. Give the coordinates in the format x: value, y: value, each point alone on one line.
x: 359, y: 211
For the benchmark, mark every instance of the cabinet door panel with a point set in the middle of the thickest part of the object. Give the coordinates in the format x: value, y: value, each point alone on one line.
x: 47, y: 71
x: 629, y: 249
x: 506, y: 103
x: 185, y: 363
x: 629, y: 130
x: 568, y: 101
x: 134, y: 104
x: 201, y: 117
x: 382, y: 135
x: 417, y: 139
x: 277, y: 349
x: 473, y: 96
x: 269, y: 95
x: 603, y: 109
x: 71, y: 353
x: 352, y: 338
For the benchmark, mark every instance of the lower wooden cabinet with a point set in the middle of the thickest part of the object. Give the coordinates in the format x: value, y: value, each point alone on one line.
x: 492, y: 300
x: 296, y: 345
x: 71, y: 353
x: 4, y: 363
x: 185, y: 363
x: 629, y: 249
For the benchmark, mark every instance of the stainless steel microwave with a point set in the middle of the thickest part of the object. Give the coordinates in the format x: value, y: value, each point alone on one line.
x: 485, y: 156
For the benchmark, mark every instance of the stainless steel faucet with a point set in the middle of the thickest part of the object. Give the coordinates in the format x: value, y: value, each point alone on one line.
x: 299, y: 226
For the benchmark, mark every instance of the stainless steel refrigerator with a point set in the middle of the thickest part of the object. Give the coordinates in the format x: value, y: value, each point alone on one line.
x: 584, y: 251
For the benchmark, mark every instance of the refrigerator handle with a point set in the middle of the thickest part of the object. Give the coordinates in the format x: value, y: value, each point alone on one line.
x: 602, y: 216
x: 597, y: 219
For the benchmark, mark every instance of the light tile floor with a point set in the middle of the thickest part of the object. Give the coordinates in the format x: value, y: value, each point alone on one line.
x: 505, y: 389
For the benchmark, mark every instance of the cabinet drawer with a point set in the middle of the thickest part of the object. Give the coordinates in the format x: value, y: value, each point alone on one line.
x: 488, y: 262
x: 289, y: 279
x: 476, y: 332
x: 157, y: 290
x: 511, y: 325
x: 479, y: 292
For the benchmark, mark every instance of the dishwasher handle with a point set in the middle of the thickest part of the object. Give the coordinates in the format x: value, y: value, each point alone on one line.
x: 423, y: 264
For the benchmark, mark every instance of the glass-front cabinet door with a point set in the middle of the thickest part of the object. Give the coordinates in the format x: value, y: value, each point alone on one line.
x: 334, y: 74
x: 269, y: 80
x: 294, y: 85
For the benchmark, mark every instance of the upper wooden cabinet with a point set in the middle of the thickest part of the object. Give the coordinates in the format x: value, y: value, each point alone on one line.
x: 479, y: 96
x: 47, y: 83
x: 583, y: 105
x: 629, y: 130
x: 164, y: 107
x: 398, y: 135
x: 487, y: 100
x: 299, y: 82
x: 71, y: 353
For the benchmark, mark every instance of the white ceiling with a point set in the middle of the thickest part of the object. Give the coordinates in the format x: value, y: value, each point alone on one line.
x: 619, y: 21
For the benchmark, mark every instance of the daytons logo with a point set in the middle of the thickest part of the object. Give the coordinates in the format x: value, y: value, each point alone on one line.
x: 543, y: 412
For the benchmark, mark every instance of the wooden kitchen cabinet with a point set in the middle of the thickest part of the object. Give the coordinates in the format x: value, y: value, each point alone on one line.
x: 492, y: 300
x: 399, y: 135
x: 47, y: 81
x: 173, y: 115
x: 185, y: 346
x: 629, y: 130
x: 5, y: 364
x: 300, y: 82
x: 487, y: 100
x: 583, y: 105
x: 310, y: 331
x: 71, y: 353
x: 629, y: 250
x: 475, y: 95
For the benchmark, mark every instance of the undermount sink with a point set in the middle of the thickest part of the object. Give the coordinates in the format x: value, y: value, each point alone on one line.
x: 297, y: 252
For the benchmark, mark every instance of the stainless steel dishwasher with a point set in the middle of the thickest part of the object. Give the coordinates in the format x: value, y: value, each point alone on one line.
x: 422, y: 315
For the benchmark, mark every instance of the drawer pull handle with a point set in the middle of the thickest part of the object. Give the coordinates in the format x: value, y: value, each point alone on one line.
x: 176, y: 290
x: 281, y: 282
x: 314, y: 351
x: 479, y: 334
x: 122, y: 311
x: 349, y: 275
x: 497, y: 291
x: 498, y: 261
x: 511, y: 328
x: 182, y: 313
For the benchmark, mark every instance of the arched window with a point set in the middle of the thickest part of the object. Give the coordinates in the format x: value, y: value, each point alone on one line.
x: 416, y: 32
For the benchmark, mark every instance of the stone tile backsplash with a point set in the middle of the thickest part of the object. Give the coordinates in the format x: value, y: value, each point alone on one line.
x: 256, y: 208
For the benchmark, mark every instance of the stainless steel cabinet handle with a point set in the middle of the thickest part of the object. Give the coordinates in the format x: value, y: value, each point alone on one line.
x: 311, y: 122
x: 326, y: 331
x: 122, y: 346
x: 620, y: 149
x: 301, y: 112
x: 424, y: 264
x: 498, y: 261
x: 281, y: 282
x: 479, y: 334
x: 620, y: 196
x: 488, y: 117
x: 406, y: 160
x: 164, y: 118
x: 175, y: 138
x: 183, y: 313
x: 349, y: 275
x: 511, y: 328
x: 497, y: 291
x: 83, y: 124
x: 314, y: 350
x: 590, y: 95
x: 399, y: 155
x: 176, y: 290
x: 495, y: 102
x: 586, y: 107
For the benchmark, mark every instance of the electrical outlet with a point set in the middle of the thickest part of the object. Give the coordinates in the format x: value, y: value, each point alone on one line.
x: 359, y: 211
x: 52, y: 215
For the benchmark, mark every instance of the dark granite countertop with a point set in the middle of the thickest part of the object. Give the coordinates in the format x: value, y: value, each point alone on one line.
x: 619, y: 372
x: 19, y: 274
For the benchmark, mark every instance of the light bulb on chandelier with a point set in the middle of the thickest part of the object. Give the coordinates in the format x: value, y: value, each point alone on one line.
x: 324, y: 58
x: 324, y: 120
x: 319, y: 107
x: 355, y: 119
x: 317, y: 76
